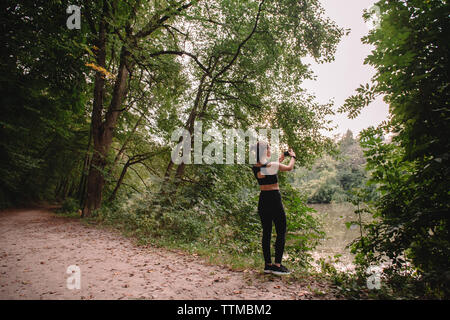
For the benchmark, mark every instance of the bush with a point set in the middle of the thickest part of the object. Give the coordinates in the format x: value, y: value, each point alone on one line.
x: 221, y: 219
x: 69, y: 205
x: 324, y: 194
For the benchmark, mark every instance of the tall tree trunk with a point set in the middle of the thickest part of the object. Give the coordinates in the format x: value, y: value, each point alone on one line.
x: 103, y: 135
x: 190, y: 127
x: 95, y: 179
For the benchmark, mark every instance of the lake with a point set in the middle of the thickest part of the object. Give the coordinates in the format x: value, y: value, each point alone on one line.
x: 334, y: 216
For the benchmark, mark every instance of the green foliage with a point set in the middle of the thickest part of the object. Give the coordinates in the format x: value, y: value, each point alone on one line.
x: 241, y: 49
x: 411, y: 171
x: 407, y: 237
x: 43, y: 95
x: 238, y: 55
x: 221, y: 63
x: 70, y: 205
x: 304, y: 232
x: 217, y: 213
x: 333, y: 178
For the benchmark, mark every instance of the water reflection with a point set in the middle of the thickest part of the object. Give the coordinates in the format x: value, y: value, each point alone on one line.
x: 334, y: 216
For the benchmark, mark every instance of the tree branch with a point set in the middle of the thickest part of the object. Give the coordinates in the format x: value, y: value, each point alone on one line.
x: 238, y: 51
x: 180, y: 53
x: 157, y: 20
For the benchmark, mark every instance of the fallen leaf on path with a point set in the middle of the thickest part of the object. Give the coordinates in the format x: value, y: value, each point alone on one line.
x: 302, y: 293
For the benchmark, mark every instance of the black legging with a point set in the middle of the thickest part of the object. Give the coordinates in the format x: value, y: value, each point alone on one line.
x: 271, y: 209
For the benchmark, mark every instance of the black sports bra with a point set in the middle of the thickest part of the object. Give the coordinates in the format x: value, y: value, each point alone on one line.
x: 268, y: 179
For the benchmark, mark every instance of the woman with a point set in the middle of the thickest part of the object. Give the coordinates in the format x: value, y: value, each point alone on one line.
x: 270, y: 207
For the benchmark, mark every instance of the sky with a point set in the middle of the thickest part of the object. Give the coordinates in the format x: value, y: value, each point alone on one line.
x: 339, y: 79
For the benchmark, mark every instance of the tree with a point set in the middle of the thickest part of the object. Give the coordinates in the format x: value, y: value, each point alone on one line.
x: 411, y: 57
x: 119, y: 26
x: 175, y: 62
x: 43, y: 92
x: 334, y: 176
x: 239, y: 69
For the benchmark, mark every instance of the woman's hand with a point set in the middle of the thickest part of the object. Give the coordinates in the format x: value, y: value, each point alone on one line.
x: 281, y: 158
x: 290, y: 166
x: 291, y: 152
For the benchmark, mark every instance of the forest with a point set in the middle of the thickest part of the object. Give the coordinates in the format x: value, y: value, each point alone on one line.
x: 88, y: 115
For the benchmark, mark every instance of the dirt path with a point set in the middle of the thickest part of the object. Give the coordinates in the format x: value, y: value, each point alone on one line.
x: 37, y: 247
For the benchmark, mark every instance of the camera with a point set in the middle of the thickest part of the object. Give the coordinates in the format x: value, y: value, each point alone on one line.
x: 286, y: 153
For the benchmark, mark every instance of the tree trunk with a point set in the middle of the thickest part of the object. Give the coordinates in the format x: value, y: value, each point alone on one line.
x: 63, y: 192
x: 82, y: 186
x: 58, y: 188
x: 190, y: 127
x: 102, y: 131
x: 95, y: 179
x: 168, y: 170
x: 103, y: 135
x: 72, y: 188
x: 124, y: 145
x: 119, y: 182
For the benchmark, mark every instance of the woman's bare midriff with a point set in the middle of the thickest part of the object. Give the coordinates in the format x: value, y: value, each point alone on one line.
x: 270, y: 187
